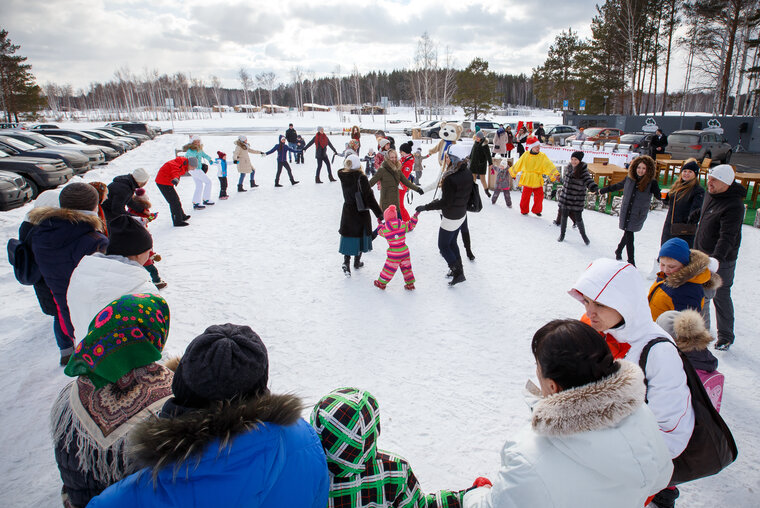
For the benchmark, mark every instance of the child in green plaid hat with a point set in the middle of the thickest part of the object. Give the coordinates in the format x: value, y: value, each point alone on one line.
x: 347, y: 421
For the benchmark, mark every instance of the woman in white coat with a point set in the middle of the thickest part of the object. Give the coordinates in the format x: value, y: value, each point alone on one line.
x: 592, y: 441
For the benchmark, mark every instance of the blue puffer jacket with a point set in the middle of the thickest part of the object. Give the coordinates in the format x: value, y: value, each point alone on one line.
x: 277, y: 463
x: 282, y: 150
x: 61, y: 238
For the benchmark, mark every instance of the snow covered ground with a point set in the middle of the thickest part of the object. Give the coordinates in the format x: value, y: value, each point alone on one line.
x: 446, y: 364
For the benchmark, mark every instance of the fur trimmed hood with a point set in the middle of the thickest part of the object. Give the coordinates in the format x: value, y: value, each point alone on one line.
x: 696, y: 271
x: 159, y: 442
x: 242, y: 144
x: 590, y: 407
x: 687, y: 329
x: 39, y: 215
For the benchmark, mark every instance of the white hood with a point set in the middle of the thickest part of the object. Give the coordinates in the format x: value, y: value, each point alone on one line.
x: 97, y: 281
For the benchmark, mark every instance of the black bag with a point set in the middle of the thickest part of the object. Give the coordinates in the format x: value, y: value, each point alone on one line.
x: 360, y: 205
x: 711, y: 446
x: 21, y: 258
x: 474, y: 204
x: 683, y: 229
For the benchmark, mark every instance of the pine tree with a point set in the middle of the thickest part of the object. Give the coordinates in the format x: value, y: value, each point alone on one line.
x: 476, y: 89
x: 18, y: 90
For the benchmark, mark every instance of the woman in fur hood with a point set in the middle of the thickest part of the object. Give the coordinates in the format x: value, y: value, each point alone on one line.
x: 243, y: 162
x: 638, y: 188
x: 684, y: 275
x: 592, y: 441
x: 224, y: 439
x: 390, y: 177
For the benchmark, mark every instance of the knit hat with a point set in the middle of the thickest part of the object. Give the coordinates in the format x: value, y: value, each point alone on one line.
x: 79, y: 196
x: 390, y: 213
x: 352, y: 162
x: 127, y: 237
x: 382, y: 142
x: 419, y: 149
x: 223, y: 362
x: 687, y: 329
x: 128, y: 333
x: 140, y: 175
x: 242, y: 139
x: 406, y: 147
x: 531, y: 142
x: 194, y: 138
x: 724, y: 173
x: 480, y: 135
x: 676, y: 248
x: 691, y: 166
x: 221, y: 155
x: 578, y: 155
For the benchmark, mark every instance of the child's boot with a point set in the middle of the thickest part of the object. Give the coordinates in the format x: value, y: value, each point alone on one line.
x: 379, y: 284
x: 409, y: 287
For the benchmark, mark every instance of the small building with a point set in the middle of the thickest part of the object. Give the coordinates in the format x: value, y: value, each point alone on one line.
x: 368, y: 109
x: 310, y: 106
x: 246, y: 108
x: 273, y: 108
x: 222, y: 108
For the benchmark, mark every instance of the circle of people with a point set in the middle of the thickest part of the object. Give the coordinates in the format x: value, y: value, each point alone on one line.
x: 204, y: 428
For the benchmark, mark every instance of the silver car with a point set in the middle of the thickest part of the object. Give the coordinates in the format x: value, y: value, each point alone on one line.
x: 559, y: 133
x: 700, y: 145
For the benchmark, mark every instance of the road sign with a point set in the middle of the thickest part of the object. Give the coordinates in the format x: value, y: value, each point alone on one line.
x: 565, y: 104
x: 582, y: 105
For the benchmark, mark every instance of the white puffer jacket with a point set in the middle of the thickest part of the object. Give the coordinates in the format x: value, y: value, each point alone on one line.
x: 595, y: 446
x: 97, y: 281
x: 620, y: 286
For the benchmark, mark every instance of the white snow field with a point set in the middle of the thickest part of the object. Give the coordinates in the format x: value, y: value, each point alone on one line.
x: 447, y: 365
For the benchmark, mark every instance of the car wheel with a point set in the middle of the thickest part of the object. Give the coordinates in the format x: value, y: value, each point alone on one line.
x: 34, y: 187
x: 434, y: 135
x: 727, y: 157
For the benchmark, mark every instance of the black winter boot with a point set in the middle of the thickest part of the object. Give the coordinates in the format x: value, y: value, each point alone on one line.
x: 582, y: 231
x: 347, y: 266
x: 467, y: 246
x: 458, y: 275
x: 241, y: 189
x: 358, y: 261
x: 562, y: 227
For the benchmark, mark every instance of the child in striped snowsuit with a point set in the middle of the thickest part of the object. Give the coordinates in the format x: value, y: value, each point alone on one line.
x: 394, y: 230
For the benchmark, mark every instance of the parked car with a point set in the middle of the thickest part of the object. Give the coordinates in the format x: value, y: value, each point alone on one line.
x: 700, y: 145
x: 469, y: 127
x: 419, y: 125
x: 559, y: 133
x: 108, y: 152
x: 94, y: 153
x: 639, y: 141
x: 138, y: 127
x: 601, y: 134
x: 140, y: 138
x: 41, y: 174
x: 14, y: 191
x: 432, y: 130
x: 45, y: 126
x: 78, y: 163
x: 126, y: 143
x: 86, y: 138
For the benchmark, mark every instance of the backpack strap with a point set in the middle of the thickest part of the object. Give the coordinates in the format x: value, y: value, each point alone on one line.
x: 645, y: 355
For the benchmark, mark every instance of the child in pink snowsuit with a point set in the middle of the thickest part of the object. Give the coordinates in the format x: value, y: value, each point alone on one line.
x: 394, y: 230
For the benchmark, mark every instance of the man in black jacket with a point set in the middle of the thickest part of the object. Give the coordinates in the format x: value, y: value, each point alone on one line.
x: 120, y: 193
x: 719, y: 236
x: 658, y: 144
x: 541, y: 133
x: 291, y: 136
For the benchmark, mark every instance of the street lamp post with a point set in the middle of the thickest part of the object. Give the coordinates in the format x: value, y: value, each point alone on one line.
x: 605, y: 104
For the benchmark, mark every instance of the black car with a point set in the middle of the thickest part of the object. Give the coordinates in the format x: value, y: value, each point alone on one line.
x: 14, y: 191
x: 108, y: 152
x: 76, y: 161
x: 140, y: 138
x: 37, y: 140
x: 138, y: 127
x: 88, y: 139
x: 45, y: 126
x: 639, y: 141
x: 126, y: 143
x: 40, y: 174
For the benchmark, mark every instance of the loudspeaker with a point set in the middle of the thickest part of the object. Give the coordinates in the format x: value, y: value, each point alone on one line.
x: 697, y: 126
x: 743, y: 127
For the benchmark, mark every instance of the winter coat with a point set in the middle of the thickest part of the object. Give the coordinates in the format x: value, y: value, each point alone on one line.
x: 480, y: 158
x: 199, y: 155
x: 684, y: 289
x: 222, y: 173
x: 120, y: 193
x: 395, y: 231
x: 620, y: 286
x: 685, y: 208
x: 320, y: 142
x: 172, y: 170
x: 390, y: 179
x: 534, y: 166
x: 500, y: 140
x: 720, y: 227
x: 635, y: 206
x: 90, y: 428
x: 41, y: 289
x: 658, y: 144
x: 61, y: 238
x: 353, y: 223
x: 97, y: 281
x: 595, y: 446
x: 241, y: 159
x: 503, y: 179
x: 282, y: 150
x: 407, y: 166
x: 250, y: 453
x: 572, y: 195
x: 291, y: 135
x: 540, y: 134
x: 456, y: 189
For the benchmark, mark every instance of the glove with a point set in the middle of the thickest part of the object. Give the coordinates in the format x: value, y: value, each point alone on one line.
x: 156, y: 257
x: 379, y: 220
x: 420, y: 191
x: 152, y: 216
x: 420, y: 208
x: 175, y: 181
x: 234, y: 162
x: 482, y: 481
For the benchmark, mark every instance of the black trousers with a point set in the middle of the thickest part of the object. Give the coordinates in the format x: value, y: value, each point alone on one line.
x: 327, y: 163
x: 171, y: 197
x: 222, y: 186
x: 627, y: 242
x: 280, y: 165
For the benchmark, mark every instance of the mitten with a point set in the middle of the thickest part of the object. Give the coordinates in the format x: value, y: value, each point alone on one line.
x: 420, y: 191
x: 156, y: 257
x: 234, y: 162
x: 379, y: 220
x: 420, y: 208
x: 482, y: 481
x: 175, y: 181
x: 152, y: 216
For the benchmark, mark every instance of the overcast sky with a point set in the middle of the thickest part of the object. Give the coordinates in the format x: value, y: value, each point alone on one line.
x: 85, y: 41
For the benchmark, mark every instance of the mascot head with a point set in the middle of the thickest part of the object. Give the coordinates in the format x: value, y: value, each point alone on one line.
x: 450, y: 131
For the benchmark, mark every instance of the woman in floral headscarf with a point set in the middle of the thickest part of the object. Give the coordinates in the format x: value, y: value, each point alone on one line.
x: 118, y: 384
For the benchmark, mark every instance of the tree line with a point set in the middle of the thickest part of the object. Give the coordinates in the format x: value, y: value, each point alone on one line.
x: 618, y: 69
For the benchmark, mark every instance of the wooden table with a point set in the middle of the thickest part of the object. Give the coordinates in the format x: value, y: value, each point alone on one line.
x: 605, y: 171
x: 669, y: 165
x: 745, y: 179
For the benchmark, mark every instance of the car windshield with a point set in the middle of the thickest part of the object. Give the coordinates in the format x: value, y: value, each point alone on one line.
x: 631, y: 138
x: 105, y: 135
x: 689, y: 139
x: 18, y: 145
x: 28, y: 139
x: 68, y: 140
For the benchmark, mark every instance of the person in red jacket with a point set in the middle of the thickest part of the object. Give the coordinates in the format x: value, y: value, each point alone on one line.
x: 166, y: 178
x: 407, y: 166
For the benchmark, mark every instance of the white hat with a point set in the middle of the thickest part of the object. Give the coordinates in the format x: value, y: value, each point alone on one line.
x: 140, y: 175
x: 194, y: 137
x: 724, y: 173
x: 383, y: 142
x: 242, y: 139
x: 354, y: 160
